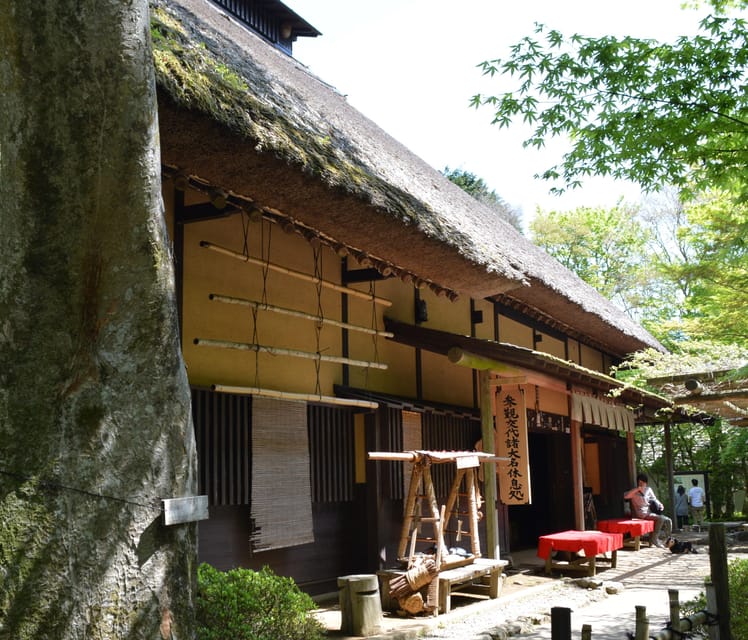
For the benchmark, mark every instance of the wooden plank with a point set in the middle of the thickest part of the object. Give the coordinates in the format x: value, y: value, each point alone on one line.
x: 182, y: 510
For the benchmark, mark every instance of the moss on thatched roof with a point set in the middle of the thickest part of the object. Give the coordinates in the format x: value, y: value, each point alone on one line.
x: 380, y: 193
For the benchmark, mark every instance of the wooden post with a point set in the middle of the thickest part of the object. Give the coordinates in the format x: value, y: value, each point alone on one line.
x: 586, y: 632
x: 669, y: 470
x: 631, y: 454
x: 360, y: 606
x: 674, y: 609
x: 711, y: 607
x: 576, y: 473
x: 718, y: 566
x: 642, y: 623
x: 489, y: 470
x: 560, y: 623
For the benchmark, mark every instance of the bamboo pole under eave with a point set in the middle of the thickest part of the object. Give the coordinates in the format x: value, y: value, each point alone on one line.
x: 295, y: 274
x: 459, y: 356
x: 263, y: 306
x: 279, y: 351
x: 289, y: 395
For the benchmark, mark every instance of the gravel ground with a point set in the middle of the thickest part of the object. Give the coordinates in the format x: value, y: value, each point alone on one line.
x: 520, y: 614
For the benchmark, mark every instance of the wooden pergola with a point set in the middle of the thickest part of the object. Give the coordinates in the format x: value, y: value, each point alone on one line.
x: 722, y: 393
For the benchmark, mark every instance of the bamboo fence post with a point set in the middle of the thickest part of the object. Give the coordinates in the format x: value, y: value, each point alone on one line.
x: 642, y: 623
x: 711, y: 607
x: 560, y: 623
x: 674, y: 609
x: 718, y: 566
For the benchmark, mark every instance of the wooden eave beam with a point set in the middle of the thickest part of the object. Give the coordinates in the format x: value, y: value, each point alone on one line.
x: 202, y: 212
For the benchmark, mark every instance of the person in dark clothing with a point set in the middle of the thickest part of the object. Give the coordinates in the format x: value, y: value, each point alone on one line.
x: 681, y: 507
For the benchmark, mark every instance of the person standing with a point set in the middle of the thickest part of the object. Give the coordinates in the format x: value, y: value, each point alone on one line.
x: 696, y: 497
x: 681, y: 507
x: 641, y: 496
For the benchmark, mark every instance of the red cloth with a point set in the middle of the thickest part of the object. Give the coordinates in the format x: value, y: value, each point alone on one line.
x: 593, y: 543
x: 634, y: 526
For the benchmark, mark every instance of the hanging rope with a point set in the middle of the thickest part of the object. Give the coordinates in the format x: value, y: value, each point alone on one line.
x: 374, y: 341
x: 265, y: 256
x: 318, y: 325
x: 245, y: 233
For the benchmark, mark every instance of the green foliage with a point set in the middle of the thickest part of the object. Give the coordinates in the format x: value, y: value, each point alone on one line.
x: 718, y: 269
x: 737, y: 577
x: 604, y: 247
x: 477, y: 188
x: 636, y: 109
x: 242, y: 604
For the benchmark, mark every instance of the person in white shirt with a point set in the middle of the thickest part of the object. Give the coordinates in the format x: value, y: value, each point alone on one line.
x: 696, y: 500
x: 641, y: 496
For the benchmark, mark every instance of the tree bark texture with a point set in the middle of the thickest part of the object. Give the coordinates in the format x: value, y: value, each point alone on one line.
x: 95, y: 426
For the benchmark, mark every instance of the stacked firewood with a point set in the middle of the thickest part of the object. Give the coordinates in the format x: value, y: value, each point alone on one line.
x: 416, y: 589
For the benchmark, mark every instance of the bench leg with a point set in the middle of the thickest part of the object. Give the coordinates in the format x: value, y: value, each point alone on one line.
x: 614, y: 559
x: 593, y: 566
x: 637, y: 543
x: 548, y: 563
x: 445, y: 599
x: 493, y: 583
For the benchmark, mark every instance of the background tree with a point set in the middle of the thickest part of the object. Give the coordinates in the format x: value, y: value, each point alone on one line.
x: 477, y: 188
x: 95, y: 424
x: 718, y: 268
x: 606, y: 247
x: 641, y: 110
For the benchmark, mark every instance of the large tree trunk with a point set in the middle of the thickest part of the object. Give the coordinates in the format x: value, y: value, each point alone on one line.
x: 95, y: 424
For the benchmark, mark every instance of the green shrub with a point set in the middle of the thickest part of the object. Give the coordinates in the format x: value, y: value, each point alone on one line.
x: 242, y: 604
x: 737, y: 577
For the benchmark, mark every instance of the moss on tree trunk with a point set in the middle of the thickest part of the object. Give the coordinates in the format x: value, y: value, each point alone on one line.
x: 95, y: 424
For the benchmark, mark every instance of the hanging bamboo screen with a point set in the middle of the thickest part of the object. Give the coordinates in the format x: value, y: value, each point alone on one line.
x: 281, y: 491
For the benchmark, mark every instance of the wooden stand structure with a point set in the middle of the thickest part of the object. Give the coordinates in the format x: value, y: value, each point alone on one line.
x: 455, y: 572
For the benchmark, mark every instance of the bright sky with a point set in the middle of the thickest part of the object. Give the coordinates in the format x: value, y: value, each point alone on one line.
x: 411, y: 66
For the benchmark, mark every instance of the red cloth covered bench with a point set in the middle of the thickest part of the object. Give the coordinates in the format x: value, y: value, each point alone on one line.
x: 635, y: 528
x: 589, y: 543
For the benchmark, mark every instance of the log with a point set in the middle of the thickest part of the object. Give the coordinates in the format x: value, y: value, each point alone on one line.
x: 413, y: 579
x: 360, y: 606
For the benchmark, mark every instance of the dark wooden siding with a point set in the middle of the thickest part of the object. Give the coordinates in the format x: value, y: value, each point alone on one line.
x: 224, y: 443
x: 445, y: 432
x: 331, y: 449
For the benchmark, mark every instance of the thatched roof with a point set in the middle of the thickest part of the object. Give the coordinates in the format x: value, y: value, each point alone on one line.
x: 243, y: 116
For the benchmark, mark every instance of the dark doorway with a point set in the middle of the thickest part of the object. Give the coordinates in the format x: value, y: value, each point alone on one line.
x: 552, y: 507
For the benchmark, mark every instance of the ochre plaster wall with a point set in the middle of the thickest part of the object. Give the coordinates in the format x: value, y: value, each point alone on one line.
x: 512, y: 332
